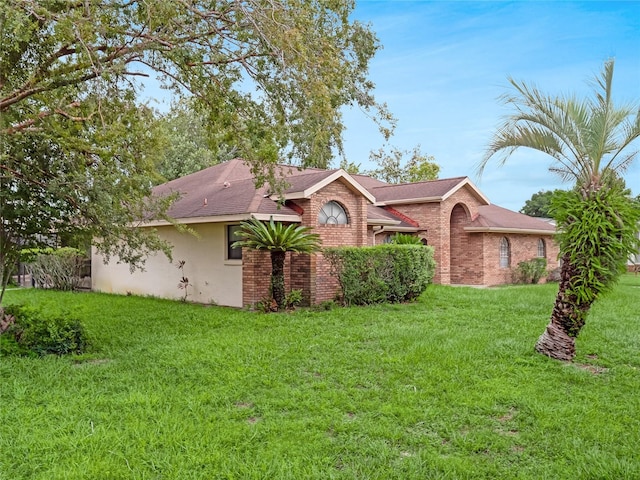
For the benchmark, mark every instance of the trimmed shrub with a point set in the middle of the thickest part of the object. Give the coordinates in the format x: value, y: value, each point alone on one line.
x: 383, y: 273
x: 60, y: 269
x: 33, y: 332
x: 530, y: 271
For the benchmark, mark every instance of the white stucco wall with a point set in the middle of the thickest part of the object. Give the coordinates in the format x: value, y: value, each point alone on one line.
x: 213, y: 279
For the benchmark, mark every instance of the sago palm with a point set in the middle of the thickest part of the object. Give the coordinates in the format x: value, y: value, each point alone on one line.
x: 278, y: 239
x: 591, y: 143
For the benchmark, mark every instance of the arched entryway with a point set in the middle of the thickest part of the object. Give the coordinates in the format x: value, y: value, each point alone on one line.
x: 458, y: 244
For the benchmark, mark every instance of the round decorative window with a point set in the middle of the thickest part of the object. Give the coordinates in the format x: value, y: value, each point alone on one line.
x: 332, y: 213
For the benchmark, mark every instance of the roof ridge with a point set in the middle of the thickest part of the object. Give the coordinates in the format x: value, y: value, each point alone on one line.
x: 257, y: 199
x: 421, y: 182
x: 231, y: 166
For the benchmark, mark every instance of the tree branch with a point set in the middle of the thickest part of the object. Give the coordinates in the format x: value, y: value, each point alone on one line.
x: 26, y: 124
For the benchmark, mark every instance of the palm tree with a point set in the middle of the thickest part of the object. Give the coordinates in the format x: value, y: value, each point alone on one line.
x: 277, y: 239
x: 591, y: 143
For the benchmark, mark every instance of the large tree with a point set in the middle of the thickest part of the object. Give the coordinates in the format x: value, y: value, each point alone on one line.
x: 92, y: 185
x: 592, y: 143
x: 270, y: 77
x: 403, y: 166
x: 186, y: 146
x: 539, y: 205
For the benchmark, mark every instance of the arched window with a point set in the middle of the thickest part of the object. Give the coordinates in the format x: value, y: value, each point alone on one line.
x: 542, y: 249
x: 505, y: 253
x: 332, y: 213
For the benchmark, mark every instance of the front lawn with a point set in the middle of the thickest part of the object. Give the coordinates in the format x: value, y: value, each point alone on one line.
x: 445, y: 388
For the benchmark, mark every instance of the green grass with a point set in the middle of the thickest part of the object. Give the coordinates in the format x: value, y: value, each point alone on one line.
x: 446, y: 388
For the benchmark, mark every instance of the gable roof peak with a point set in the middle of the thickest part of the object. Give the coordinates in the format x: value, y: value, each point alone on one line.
x: 307, y: 183
x: 421, y: 182
x: 425, y: 191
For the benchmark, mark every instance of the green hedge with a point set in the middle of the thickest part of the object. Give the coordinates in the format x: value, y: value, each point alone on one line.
x: 384, y: 273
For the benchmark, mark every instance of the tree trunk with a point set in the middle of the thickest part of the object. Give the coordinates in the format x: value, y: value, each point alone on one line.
x: 9, y: 256
x: 277, y: 277
x: 555, y: 343
x: 567, y: 319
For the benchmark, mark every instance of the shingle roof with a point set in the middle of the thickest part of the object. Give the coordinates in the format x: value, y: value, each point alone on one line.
x: 380, y: 216
x: 368, y: 182
x: 304, y: 180
x: 228, y: 189
x: 224, y: 189
x: 433, y: 191
x: 495, y: 218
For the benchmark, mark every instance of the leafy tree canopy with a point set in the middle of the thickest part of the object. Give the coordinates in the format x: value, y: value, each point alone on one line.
x: 393, y: 168
x: 350, y: 167
x: 539, y: 205
x: 186, y: 145
x: 268, y: 79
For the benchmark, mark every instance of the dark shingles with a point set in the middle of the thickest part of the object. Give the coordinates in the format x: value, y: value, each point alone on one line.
x: 493, y: 216
x: 410, y: 191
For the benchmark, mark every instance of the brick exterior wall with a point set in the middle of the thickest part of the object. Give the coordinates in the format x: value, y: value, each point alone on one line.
x: 470, y: 258
x: 466, y: 251
x: 523, y: 248
x: 436, y: 218
x: 462, y: 257
x: 311, y: 273
x: 256, y: 275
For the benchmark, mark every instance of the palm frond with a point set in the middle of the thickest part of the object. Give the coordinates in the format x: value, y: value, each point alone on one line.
x: 276, y: 236
x: 586, y: 138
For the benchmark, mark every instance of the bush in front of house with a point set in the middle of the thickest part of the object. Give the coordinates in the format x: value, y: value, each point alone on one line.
x: 59, y: 268
x: 404, y: 239
x: 30, y: 331
x: 383, y: 273
x: 530, y: 271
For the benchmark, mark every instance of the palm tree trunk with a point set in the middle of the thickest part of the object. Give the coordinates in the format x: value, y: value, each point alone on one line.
x: 567, y: 319
x: 277, y: 277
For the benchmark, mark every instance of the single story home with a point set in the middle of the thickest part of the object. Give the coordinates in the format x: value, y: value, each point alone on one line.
x: 475, y: 242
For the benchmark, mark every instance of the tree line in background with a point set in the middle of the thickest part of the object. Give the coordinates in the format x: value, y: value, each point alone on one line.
x: 539, y: 205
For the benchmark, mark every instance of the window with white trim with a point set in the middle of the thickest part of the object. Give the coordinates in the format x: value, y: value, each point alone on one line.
x: 332, y: 213
x: 505, y: 253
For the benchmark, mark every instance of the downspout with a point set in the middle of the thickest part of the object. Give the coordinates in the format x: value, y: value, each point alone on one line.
x: 376, y: 231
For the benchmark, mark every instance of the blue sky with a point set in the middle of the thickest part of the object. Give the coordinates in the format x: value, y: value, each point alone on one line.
x: 444, y: 64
